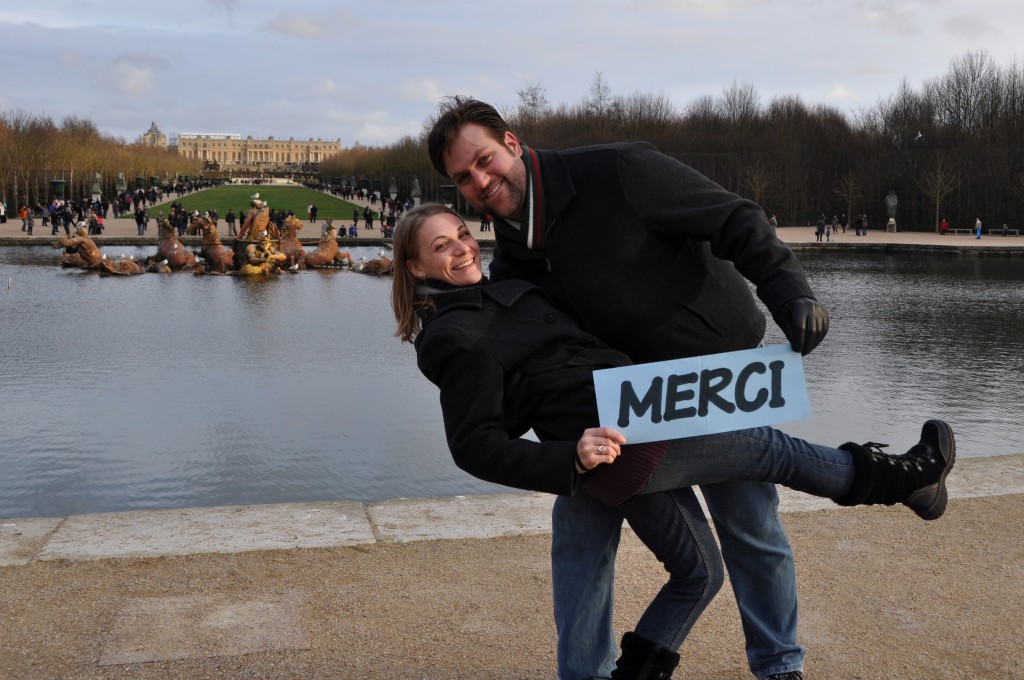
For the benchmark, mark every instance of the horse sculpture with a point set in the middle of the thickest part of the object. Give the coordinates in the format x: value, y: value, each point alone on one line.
x: 262, y: 258
x: 290, y: 244
x: 380, y: 266
x: 219, y: 258
x: 256, y: 221
x: 79, y: 250
x: 121, y: 266
x: 170, y: 253
x: 327, y: 252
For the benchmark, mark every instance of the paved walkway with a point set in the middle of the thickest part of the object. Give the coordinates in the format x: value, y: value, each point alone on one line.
x: 460, y: 587
x: 124, y: 228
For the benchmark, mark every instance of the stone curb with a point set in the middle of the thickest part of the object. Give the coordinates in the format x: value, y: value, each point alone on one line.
x: 232, y: 529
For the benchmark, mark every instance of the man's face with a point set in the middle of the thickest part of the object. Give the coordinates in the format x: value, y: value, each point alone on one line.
x: 489, y: 174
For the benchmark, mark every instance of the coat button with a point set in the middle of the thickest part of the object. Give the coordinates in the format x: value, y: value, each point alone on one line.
x: 549, y: 319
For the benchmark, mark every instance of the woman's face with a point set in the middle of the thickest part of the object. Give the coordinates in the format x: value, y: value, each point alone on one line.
x: 447, y: 252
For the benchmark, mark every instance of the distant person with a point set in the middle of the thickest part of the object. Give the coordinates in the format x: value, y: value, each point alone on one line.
x: 943, y: 226
x: 819, y: 230
x: 857, y: 225
x: 230, y: 219
x: 773, y: 222
x: 977, y: 227
x: 312, y: 213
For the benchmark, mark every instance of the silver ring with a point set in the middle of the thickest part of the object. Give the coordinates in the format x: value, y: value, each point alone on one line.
x: 601, y: 448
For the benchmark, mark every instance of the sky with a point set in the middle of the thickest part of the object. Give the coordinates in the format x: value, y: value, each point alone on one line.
x: 372, y: 72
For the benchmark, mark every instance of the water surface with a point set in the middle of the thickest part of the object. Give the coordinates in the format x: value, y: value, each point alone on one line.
x: 180, y: 390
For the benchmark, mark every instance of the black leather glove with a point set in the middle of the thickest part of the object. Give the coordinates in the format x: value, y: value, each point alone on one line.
x: 805, y: 323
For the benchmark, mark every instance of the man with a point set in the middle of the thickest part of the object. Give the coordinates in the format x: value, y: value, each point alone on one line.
x: 637, y: 247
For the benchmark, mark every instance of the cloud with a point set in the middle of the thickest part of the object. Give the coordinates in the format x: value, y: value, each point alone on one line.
x: 68, y: 59
x: 303, y: 25
x: 129, y: 73
x: 131, y: 79
x: 840, y: 92
x: 386, y: 133
x: 371, y: 127
x: 714, y: 8
x: 425, y: 90
x: 874, y: 70
x: 300, y: 26
x: 326, y: 88
x: 968, y: 26
x: 892, y: 17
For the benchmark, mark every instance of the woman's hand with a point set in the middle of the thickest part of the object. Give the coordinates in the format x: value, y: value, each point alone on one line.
x: 598, y: 445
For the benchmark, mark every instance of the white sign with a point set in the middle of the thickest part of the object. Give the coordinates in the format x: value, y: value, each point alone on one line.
x: 703, y: 395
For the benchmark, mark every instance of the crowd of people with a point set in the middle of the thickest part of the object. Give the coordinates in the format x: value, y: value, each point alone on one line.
x: 828, y: 229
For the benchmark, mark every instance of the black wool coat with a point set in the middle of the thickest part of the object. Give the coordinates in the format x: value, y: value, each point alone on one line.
x: 646, y: 253
x: 506, y: 360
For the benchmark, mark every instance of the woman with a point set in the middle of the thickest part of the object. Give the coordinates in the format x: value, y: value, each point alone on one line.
x: 506, y: 361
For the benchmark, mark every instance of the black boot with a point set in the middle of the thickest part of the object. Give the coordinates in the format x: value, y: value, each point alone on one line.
x: 917, y: 478
x: 643, y: 660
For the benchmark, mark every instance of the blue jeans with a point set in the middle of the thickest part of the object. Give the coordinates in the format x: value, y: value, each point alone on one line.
x: 585, y: 537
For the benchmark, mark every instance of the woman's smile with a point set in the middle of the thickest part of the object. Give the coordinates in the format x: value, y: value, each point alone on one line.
x: 447, y: 252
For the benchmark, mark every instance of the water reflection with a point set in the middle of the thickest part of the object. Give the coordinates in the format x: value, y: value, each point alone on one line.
x: 172, y: 391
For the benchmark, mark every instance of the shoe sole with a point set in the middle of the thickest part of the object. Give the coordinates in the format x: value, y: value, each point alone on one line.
x: 930, y: 502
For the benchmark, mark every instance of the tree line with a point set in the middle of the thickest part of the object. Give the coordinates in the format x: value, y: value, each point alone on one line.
x: 34, y: 151
x: 952, y: 148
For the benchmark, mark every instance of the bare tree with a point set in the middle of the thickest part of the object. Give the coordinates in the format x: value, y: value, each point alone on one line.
x: 533, y: 101
x: 966, y: 92
x: 740, y: 104
x: 848, y: 189
x: 600, y: 101
x: 939, y: 178
x: 756, y: 176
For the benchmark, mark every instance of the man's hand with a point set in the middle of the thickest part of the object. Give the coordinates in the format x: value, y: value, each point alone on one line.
x: 805, y: 323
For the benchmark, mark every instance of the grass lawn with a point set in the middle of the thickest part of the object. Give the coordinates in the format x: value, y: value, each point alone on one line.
x: 286, y: 198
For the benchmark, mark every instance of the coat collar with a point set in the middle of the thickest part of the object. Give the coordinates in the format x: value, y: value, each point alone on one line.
x: 505, y: 293
x: 549, y: 190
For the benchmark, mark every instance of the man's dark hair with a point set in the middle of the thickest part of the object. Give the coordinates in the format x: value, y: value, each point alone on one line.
x: 453, y: 113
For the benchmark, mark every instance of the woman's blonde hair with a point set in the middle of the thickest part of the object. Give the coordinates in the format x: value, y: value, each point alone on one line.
x: 406, y: 305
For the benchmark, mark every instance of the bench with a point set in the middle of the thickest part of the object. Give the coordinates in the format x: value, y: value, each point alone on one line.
x: 1003, y: 232
x: 959, y: 231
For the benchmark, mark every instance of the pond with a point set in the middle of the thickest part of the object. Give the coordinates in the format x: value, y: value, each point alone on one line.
x: 180, y: 390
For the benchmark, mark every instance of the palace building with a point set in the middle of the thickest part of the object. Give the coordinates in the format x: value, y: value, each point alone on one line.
x: 153, y: 137
x: 230, y: 150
